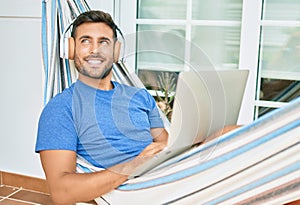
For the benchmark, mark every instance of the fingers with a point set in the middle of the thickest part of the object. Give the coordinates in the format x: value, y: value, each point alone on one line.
x: 129, y: 167
x: 153, y: 149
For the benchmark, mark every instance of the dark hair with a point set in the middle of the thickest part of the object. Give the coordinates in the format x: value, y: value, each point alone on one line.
x: 95, y: 16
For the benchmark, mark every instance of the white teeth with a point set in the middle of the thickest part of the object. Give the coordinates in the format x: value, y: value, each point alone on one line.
x: 94, y: 62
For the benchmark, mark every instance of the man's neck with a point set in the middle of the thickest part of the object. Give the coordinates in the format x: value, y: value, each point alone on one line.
x: 101, y: 84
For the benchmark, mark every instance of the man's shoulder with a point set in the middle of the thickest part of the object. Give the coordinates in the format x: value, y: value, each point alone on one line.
x: 61, y: 100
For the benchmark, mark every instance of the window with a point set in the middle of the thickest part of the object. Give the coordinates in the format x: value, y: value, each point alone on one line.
x: 171, y: 26
x: 178, y: 35
x: 262, y: 36
x: 279, y: 57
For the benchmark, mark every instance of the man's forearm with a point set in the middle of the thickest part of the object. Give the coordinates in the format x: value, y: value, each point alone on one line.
x: 77, y: 187
x: 159, y: 135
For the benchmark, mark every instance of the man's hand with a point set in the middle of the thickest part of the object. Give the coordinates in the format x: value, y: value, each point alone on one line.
x: 221, y: 132
x: 160, y: 139
x: 129, y: 167
x: 152, y: 149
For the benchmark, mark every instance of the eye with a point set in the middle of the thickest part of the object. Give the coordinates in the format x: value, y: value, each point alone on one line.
x: 85, y: 41
x: 104, y: 42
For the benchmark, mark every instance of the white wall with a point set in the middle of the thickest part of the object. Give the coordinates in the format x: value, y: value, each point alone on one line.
x: 21, y: 85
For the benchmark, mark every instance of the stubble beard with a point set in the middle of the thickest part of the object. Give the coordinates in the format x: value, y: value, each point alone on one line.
x: 88, y: 70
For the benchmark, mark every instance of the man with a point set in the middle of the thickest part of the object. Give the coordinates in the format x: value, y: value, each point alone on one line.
x: 105, y: 124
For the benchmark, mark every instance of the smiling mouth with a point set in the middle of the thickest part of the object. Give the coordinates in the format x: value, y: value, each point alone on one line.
x: 94, y: 61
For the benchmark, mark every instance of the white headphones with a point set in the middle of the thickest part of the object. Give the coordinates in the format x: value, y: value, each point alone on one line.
x: 64, y: 43
x: 67, y: 45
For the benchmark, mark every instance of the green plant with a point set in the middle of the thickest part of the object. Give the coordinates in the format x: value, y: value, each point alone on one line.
x: 167, y: 85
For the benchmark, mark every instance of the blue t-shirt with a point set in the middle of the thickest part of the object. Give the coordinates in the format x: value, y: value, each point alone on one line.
x: 103, y: 127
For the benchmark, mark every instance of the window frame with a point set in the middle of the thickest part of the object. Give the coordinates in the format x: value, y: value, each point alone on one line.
x: 250, y: 37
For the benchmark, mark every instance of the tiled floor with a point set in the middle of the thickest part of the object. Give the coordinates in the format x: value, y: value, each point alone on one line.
x: 10, y: 195
x: 18, y: 196
x: 14, y: 194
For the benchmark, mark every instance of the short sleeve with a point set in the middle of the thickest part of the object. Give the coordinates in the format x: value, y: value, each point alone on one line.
x: 56, y: 129
x: 154, y: 115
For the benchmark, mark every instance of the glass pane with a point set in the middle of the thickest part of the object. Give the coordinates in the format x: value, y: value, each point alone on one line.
x: 162, y: 9
x: 280, y: 51
x: 282, y: 10
x: 220, y: 44
x: 217, y: 10
x: 160, y: 47
x: 162, y: 85
x: 279, y: 90
x: 264, y: 110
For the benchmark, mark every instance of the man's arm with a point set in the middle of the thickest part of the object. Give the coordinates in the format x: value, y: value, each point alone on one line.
x: 160, y: 140
x: 159, y: 135
x: 224, y: 130
x: 67, y: 186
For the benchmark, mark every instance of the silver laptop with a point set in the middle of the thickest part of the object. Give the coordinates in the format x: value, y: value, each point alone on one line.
x: 205, y: 102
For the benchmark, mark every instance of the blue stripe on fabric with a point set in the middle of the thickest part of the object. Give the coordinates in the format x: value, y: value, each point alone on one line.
x: 80, y: 6
x: 85, y: 169
x: 53, y: 15
x: 269, y: 178
x: 207, y: 165
x: 60, y: 15
x: 68, y: 72
x: 245, y: 128
x: 45, y: 46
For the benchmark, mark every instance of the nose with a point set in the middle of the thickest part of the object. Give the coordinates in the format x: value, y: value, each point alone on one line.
x: 94, y: 48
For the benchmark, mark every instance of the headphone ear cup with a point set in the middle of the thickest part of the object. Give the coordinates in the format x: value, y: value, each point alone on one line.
x: 71, y: 48
x: 117, y: 50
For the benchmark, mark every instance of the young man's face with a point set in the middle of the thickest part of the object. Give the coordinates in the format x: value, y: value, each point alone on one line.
x: 94, y: 46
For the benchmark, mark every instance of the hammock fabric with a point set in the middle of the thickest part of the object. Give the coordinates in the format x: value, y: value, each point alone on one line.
x: 57, y: 15
x: 255, y: 164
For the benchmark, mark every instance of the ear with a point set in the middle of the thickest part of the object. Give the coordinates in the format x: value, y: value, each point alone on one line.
x: 71, y: 48
x: 117, y: 49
